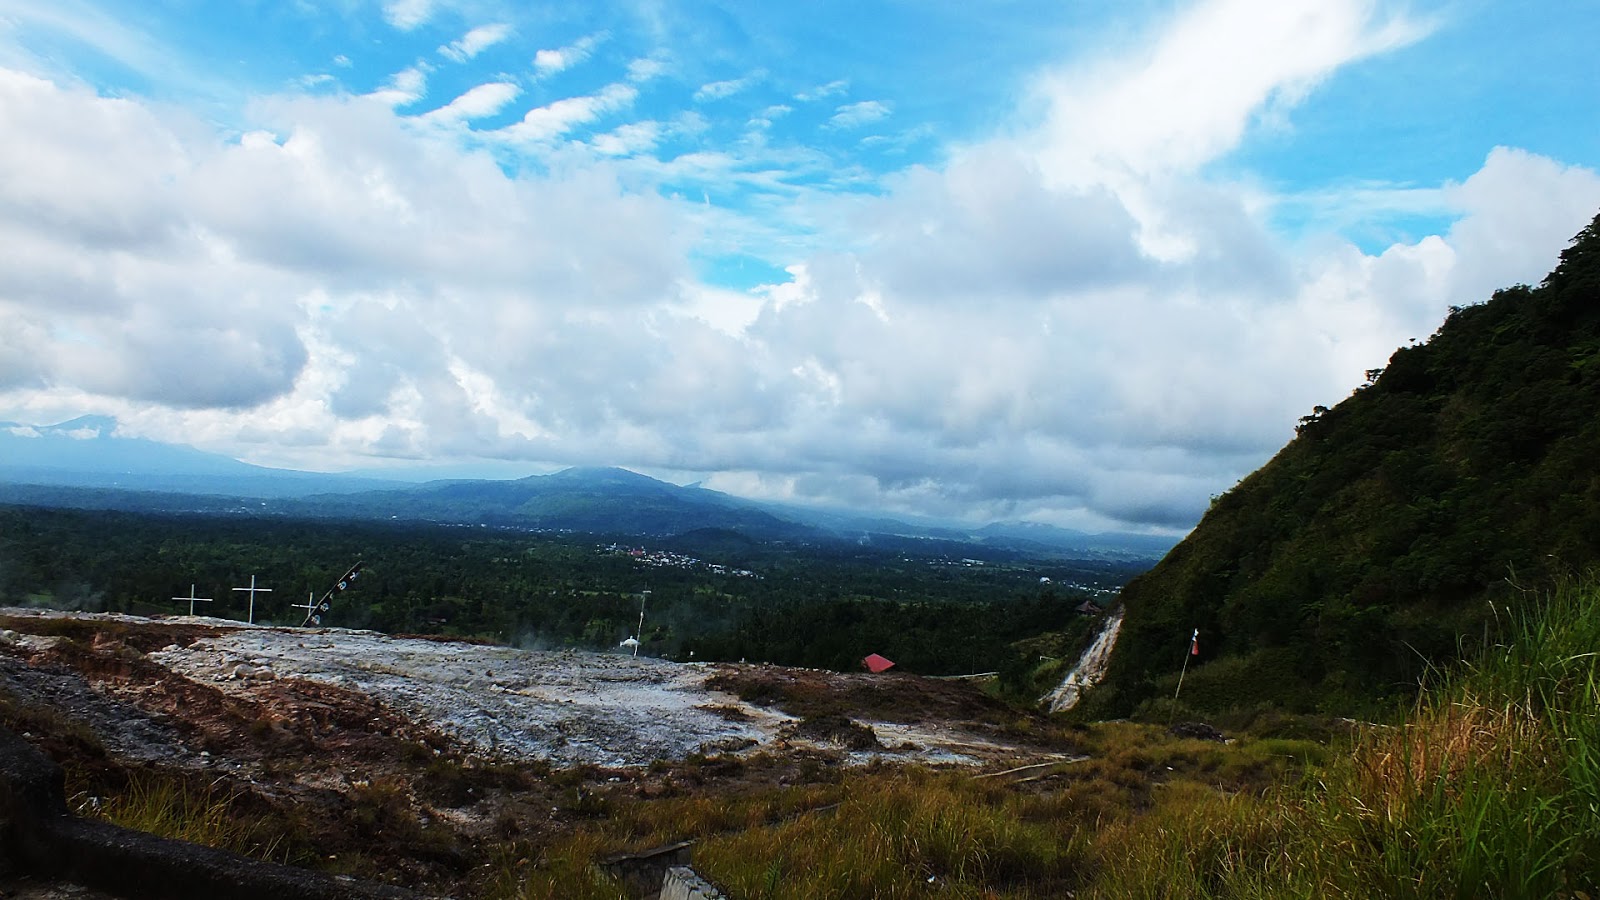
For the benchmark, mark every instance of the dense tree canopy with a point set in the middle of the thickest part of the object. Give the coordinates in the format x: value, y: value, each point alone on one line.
x: 1385, y: 533
x: 823, y: 605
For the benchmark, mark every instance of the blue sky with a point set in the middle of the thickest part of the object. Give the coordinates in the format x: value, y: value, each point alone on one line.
x: 1081, y: 263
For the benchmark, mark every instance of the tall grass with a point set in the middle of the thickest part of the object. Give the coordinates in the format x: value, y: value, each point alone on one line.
x: 1490, y: 790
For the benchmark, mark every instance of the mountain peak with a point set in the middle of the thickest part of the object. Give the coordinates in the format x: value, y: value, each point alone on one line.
x: 601, y: 475
x: 102, y: 426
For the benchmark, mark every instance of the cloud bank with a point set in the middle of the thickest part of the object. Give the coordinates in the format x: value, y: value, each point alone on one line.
x: 1076, y: 322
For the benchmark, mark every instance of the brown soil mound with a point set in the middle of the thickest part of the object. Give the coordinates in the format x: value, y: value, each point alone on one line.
x: 887, y: 697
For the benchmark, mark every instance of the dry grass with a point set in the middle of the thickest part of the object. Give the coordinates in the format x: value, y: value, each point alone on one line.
x: 201, y: 812
x: 1441, y: 751
x: 1492, y: 789
x: 912, y: 833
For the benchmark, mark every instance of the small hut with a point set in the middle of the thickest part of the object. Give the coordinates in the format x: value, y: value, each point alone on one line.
x: 876, y: 663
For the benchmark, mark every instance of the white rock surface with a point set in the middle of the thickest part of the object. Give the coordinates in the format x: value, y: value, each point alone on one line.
x: 568, y: 707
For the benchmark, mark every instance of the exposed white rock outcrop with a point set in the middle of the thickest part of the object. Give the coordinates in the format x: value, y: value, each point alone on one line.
x: 1090, y: 669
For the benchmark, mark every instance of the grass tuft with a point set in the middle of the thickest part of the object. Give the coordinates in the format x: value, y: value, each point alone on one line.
x: 187, y: 810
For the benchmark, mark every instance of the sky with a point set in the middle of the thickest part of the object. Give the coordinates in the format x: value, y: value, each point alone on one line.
x: 1079, y: 263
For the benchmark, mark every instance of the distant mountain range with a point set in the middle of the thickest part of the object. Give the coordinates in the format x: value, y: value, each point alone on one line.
x: 86, y: 452
x: 84, y: 463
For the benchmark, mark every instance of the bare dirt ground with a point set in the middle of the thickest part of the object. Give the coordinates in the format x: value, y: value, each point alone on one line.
x: 399, y: 757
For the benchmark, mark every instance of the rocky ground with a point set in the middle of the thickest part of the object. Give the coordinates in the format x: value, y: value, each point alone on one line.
x: 401, y: 757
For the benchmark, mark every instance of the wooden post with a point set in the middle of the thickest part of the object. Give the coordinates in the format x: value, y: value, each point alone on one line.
x: 1194, y: 650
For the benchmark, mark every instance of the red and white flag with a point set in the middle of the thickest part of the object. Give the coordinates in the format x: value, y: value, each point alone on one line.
x: 1194, y: 643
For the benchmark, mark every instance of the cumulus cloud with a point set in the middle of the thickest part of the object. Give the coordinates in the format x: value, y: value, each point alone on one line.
x: 321, y: 258
x: 985, y: 225
x: 1534, y: 201
x: 1033, y: 348
x: 475, y: 41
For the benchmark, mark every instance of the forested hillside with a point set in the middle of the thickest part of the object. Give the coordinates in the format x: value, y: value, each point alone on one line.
x: 1396, y: 524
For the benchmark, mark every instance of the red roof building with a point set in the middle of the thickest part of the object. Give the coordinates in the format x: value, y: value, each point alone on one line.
x: 876, y: 664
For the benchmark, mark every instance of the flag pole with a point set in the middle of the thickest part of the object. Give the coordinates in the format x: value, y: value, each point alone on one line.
x: 1194, y: 650
x: 643, y: 596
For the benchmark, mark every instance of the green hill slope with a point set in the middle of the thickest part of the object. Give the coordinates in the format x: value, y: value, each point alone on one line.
x: 1386, y: 532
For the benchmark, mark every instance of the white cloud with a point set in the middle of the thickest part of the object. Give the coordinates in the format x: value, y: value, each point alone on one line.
x: 854, y: 115
x: 408, y: 14
x: 766, y: 117
x: 295, y: 274
x: 646, y: 68
x: 1519, y: 207
x: 1188, y: 94
x: 404, y: 88
x: 719, y: 90
x: 546, y: 123
x: 824, y: 91
x: 477, y: 103
x: 730, y: 312
x: 627, y: 140
x: 550, y: 62
x: 1095, y: 327
x: 476, y: 41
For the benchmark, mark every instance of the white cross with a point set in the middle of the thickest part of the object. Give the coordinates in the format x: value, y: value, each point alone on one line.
x: 310, y: 606
x: 192, y: 598
x: 253, y: 591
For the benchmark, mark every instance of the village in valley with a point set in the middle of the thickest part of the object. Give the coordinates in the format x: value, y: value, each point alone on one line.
x: 670, y: 559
